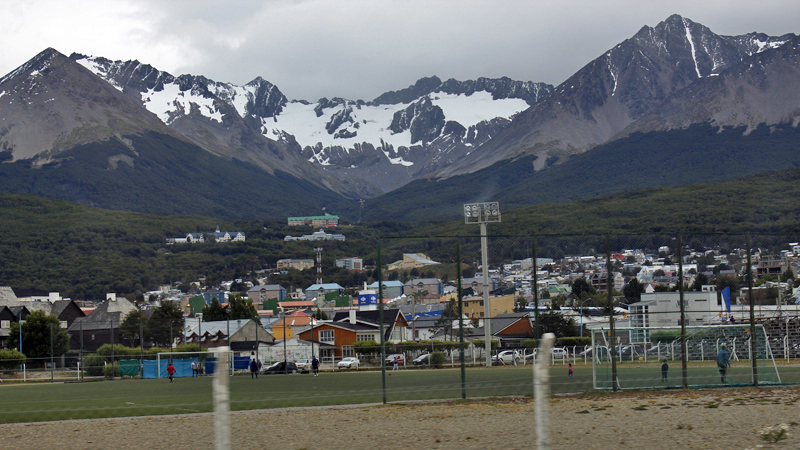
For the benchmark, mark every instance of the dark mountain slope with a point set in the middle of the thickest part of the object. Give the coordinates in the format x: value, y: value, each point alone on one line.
x: 697, y: 154
x: 160, y: 174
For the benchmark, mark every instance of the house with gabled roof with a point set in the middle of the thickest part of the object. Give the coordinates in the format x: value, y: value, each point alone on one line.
x: 101, y: 326
x: 336, y: 338
x: 219, y: 333
x: 228, y: 236
x: 412, y: 260
x: 507, y: 328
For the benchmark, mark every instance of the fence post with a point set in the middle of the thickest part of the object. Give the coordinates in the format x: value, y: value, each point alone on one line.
x: 541, y: 394
x: 460, y: 322
x: 111, y: 329
x: 753, y: 334
x: 684, y: 346
x: 222, y: 401
x: 613, y: 335
x: 380, y: 320
x: 535, y: 287
x: 51, y: 354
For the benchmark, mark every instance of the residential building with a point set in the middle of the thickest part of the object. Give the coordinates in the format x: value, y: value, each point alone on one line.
x: 216, y: 333
x: 336, y: 338
x: 663, y: 309
x: 317, y: 291
x: 314, y: 221
x: 473, y: 306
x: 316, y: 236
x: 509, y: 328
x: 411, y: 261
x: 350, y: 263
x: 101, y: 326
x: 228, y: 236
x: 297, y: 264
x: 259, y: 294
x: 391, y: 289
x: 433, y: 286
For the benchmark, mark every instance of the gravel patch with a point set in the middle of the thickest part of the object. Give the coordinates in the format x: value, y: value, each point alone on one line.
x: 700, y: 419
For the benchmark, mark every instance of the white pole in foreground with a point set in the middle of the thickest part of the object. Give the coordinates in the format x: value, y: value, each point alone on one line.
x: 541, y: 392
x: 222, y: 400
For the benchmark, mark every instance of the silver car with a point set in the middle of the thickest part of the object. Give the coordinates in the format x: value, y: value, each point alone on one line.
x: 348, y: 363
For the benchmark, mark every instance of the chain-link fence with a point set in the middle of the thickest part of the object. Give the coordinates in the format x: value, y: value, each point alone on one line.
x: 451, y: 326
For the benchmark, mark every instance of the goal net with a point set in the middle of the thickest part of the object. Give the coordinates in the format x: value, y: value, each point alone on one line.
x: 182, y: 361
x: 651, y: 357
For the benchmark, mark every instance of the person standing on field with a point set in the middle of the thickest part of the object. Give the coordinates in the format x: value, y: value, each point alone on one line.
x: 315, y: 366
x: 570, y: 374
x: 723, y: 362
x: 253, y: 369
x: 170, y: 371
x: 664, y: 371
x: 194, y: 368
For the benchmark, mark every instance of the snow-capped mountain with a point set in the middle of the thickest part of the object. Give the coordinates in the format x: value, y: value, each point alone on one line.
x: 763, y: 89
x: 67, y: 134
x: 385, y: 143
x: 617, y: 88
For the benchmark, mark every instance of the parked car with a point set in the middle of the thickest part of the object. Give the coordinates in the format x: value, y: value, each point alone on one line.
x: 348, y: 363
x: 422, y: 359
x: 401, y: 359
x: 559, y: 353
x: 281, y: 367
x: 303, y: 364
x: 506, y: 357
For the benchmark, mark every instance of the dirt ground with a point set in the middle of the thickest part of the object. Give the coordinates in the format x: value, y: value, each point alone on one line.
x: 699, y: 419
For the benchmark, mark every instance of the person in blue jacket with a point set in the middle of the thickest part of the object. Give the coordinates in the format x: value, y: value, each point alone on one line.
x: 723, y: 361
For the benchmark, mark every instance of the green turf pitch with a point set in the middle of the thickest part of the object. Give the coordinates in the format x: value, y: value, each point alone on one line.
x: 122, y: 398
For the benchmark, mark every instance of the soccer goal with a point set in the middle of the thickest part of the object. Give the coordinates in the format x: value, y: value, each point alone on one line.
x: 651, y: 357
x: 182, y: 361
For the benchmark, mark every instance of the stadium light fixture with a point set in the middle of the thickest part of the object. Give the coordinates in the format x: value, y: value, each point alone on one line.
x: 483, y: 213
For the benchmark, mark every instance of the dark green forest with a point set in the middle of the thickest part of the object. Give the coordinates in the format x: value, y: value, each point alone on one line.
x: 698, y: 154
x: 85, y: 252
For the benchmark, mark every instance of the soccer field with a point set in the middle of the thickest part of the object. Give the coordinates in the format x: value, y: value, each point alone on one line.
x: 136, y: 397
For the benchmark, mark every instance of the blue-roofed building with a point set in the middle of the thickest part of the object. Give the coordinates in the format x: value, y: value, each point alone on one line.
x: 391, y: 289
x: 313, y: 291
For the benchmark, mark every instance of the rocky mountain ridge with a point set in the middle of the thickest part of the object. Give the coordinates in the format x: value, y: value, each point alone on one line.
x: 384, y: 143
x: 614, y: 90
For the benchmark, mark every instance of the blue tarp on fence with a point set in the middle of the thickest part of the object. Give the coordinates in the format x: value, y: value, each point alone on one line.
x: 183, y: 368
x: 239, y: 363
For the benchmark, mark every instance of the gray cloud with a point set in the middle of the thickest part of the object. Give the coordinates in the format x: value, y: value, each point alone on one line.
x: 361, y: 48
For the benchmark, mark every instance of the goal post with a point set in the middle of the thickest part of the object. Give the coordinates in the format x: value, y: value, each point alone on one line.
x: 651, y: 357
x: 182, y: 361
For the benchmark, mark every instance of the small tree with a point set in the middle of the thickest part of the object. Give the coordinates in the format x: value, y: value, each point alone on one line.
x: 132, y: 324
x: 319, y: 314
x: 445, y: 323
x: 214, y: 311
x: 36, y: 335
x: 11, y: 360
x: 582, y: 289
x: 167, y: 318
x: 241, y: 308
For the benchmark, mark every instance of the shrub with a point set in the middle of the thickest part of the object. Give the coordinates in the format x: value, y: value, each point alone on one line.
x: 574, y: 341
x: 437, y: 359
x: 93, y: 364
x: 10, y: 360
x: 107, y: 371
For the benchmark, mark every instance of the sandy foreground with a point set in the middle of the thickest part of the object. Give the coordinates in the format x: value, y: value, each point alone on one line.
x: 699, y: 419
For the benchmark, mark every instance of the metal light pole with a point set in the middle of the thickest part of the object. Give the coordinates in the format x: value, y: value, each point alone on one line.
x: 483, y: 213
x: 582, y: 303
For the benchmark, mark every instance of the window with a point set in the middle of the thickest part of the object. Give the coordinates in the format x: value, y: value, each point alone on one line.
x: 5, y: 324
x: 364, y: 337
x: 347, y: 350
x: 326, y: 336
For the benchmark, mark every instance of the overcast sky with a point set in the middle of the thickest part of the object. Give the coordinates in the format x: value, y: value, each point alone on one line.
x: 358, y: 49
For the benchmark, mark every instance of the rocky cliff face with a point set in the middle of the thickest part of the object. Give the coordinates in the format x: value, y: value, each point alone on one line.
x: 377, y: 145
x: 616, y: 89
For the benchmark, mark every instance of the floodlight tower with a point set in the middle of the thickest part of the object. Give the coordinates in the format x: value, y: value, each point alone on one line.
x: 483, y: 213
